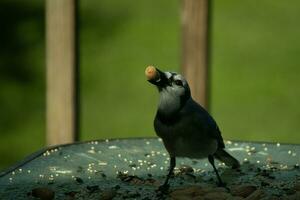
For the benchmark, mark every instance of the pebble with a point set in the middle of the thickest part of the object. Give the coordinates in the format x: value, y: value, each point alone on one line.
x: 188, y: 192
x: 243, y: 190
x: 234, y: 198
x: 200, y: 193
x: 216, y: 196
x: 297, y: 186
x: 108, y: 194
x: 182, y: 197
x: 92, y: 188
x: 132, y: 194
x: 256, y: 195
x: 43, y: 193
x: 71, y: 195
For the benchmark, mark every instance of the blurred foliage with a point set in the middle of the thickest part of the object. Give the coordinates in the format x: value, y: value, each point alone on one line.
x: 254, y: 58
x: 117, y: 101
x: 255, y: 67
x: 22, y: 73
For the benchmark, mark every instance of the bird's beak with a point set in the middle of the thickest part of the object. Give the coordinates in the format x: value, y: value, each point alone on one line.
x: 156, y: 77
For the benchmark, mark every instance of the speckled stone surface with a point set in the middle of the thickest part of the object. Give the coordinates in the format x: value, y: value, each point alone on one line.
x: 134, y: 168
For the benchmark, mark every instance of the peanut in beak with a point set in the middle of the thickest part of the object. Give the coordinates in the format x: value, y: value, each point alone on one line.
x: 151, y: 73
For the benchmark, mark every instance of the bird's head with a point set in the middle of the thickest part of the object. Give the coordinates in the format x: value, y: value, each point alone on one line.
x: 173, y: 88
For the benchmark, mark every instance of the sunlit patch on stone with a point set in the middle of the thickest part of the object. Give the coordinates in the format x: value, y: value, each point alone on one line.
x: 278, y: 144
x: 113, y: 147
x: 228, y: 142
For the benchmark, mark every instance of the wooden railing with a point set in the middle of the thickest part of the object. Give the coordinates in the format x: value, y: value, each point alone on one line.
x: 195, y: 47
x: 62, y: 71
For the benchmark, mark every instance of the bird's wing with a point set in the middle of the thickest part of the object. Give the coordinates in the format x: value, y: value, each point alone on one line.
x: 204, y: 120
x: 218, y: 136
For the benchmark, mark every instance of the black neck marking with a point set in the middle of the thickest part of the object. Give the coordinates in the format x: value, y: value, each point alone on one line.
x: 184, y: 98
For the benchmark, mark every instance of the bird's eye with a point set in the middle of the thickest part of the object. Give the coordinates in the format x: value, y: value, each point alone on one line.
x: 178, y: 82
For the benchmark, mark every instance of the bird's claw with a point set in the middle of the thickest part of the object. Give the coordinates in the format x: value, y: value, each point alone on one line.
x: 223, y: 185
x: 164, y: 188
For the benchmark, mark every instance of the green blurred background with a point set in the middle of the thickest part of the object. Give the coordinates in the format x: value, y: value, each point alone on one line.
x: 255, y: 48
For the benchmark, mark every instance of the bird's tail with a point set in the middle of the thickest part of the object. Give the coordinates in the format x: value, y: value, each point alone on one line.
x: 228, y: 159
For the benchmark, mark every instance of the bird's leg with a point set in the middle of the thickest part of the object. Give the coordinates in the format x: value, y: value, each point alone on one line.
x: 165, y: 186
x: 212, y: 162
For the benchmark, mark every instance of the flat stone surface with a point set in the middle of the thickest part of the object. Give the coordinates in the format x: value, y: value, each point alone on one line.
x: 134, y: 168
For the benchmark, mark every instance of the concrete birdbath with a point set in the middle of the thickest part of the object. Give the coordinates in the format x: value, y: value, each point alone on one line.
x: 134, y: 168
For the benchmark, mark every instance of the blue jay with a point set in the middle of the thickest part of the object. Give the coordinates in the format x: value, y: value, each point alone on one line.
x: 185, y: 127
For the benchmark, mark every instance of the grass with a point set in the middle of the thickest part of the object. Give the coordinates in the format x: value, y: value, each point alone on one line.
x: 254, y: 79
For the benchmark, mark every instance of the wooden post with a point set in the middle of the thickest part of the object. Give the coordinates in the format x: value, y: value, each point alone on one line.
x: 62, y: 71
x: 195, y: 47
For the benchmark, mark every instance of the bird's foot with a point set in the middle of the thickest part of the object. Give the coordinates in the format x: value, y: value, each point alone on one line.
x: 223, y: 185
x: 163, y: 188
